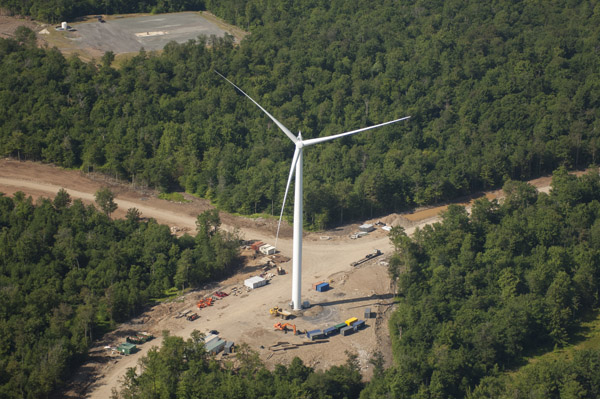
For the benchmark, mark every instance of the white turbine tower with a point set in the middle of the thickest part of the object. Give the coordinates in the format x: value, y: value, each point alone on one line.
x: 298, y: 195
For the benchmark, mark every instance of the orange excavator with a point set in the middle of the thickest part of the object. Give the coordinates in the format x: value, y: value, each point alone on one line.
x: 284, y: 327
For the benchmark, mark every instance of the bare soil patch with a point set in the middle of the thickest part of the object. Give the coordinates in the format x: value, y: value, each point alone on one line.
x: 8, y: 25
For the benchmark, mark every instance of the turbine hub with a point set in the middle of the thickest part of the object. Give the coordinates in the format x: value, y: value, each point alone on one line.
x: 299, y: 144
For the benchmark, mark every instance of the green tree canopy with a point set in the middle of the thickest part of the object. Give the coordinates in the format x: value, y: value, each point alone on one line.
x: 105, y: 199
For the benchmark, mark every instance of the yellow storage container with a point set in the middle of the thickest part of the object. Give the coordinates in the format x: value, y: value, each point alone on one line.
x: 351, y: 321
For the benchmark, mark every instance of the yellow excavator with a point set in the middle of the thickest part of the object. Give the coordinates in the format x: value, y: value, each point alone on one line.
x: 278, y: 312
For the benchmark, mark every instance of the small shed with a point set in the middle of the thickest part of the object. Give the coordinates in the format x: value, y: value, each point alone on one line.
x: 367, y: 228
x: 322, y: 287
x: 228, y: 348
x: 126, y: 348
x: 368, y: 313
x: 255, y: 282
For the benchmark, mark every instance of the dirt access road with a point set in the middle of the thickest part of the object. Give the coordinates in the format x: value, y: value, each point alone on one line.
x: 244, y: 317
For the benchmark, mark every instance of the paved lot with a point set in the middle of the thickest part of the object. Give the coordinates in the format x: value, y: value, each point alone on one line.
x: 152, y: 32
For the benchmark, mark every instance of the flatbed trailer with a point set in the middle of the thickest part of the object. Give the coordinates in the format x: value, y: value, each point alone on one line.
x: 366, y: 258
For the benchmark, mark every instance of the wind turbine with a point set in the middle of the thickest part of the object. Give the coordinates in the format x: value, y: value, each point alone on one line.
x: 298, y: 194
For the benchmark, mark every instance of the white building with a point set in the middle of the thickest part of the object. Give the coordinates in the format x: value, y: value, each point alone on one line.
x: 255, y: 282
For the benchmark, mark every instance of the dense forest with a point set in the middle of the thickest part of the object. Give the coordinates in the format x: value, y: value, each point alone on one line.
x: 499, y: 91
x: 481, y: 291
x: 68, y: 273
x: 63, y: 10
x: 574, y: 378
x: 478, y: 293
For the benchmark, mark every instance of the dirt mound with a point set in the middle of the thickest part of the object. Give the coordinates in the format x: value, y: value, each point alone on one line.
x: 397, y: 220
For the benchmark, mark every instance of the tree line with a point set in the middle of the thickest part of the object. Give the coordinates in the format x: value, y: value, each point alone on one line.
x: 495, y: 93
x: 183, y: 369
x: 69, y: 273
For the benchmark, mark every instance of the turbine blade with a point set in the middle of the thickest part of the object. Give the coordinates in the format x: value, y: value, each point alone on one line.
x: 335, y: 136
x: 287, y: 187
x: 283, y: 128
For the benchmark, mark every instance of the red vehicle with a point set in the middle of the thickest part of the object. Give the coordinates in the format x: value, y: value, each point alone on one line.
x: 221, y: 294
x: 193, y: 317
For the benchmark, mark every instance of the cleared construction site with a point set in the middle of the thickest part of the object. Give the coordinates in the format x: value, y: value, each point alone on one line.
x: 347, y: 307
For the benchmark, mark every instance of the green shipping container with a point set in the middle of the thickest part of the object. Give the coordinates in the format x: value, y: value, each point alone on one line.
x: 340, y: 326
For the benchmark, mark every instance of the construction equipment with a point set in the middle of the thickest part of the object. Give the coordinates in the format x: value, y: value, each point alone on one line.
x: 139, y: 338
x: 268, y: 266
x: 202, y: 303
x: 182, y: 314
x: 193, y: 317
x: 284, y: 327
x: 256, y: 245
x: 278, y: 312
x: 280, y: 270
x: 368, y: 257
x: 134, y: 340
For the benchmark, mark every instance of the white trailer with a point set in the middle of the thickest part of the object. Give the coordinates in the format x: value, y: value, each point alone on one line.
x: 255, y: 282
